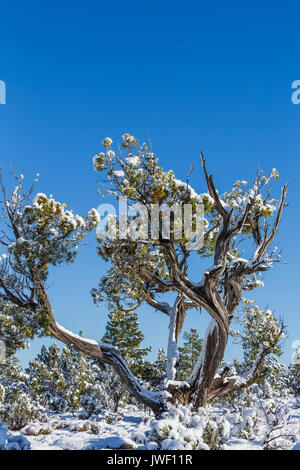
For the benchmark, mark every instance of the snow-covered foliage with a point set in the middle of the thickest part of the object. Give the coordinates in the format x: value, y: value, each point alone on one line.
x: 266, y: 424
x: 35, y: 233
x: 260, y: 329
x: 178, y: 429
x: 48, y: 233
x: 294, y: 377
x: 67, y: 380
x: 17, y: 405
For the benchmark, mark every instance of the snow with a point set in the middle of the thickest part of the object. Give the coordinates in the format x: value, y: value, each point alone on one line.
x: 193, y: 193
x: 132, y: 161
x: 181, y: 384
x: 236, y: 379
x: 118, y: 173
x: 179, y: 429
x: 75, y: 336
x: 65, y: 433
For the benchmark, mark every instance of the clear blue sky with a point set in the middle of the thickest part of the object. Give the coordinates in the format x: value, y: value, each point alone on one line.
x: 194, y: 75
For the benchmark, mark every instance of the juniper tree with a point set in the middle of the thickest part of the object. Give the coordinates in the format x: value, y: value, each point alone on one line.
x: 144, y: 269
x: 17, y: 405
x: 65, y: 379
x: 39, y: 233
x: 257, y: 328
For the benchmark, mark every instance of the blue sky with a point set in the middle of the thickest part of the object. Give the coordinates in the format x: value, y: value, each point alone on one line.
x: 193, y: 75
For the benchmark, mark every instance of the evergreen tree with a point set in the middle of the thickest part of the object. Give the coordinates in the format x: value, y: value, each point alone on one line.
x: 189, y: 353
x: 154, y: 373
x: 294, y: 373
x: 122, y: 331
x: 66, y: 379
x: 17, y: 405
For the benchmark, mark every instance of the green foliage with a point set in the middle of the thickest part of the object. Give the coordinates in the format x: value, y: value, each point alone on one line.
x: 17, y: 325
x: 122, y: 331
x: 154, y: 373
x: 294, y: 378
x: 50, y: 234
x: 17, y: 406
x: 211, y: 435
x: 260, y: 330
x: 61, y: 378
x: 189, y: 353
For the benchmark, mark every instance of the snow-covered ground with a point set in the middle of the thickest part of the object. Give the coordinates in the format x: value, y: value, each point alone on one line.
x: 67, y: 432
x: 275, y: 423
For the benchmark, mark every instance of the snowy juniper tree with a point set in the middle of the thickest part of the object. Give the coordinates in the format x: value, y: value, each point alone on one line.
x: 260, y: 328
x: 60, y: 378
x: 17, y: 406
x: 144, y: 269
x: 257, y: 328
x: 41, y: 232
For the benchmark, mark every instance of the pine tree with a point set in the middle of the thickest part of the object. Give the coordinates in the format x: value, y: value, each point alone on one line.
x: 294, y: 373
x: 122, y: 331
x: 154, y: 373
x: 189, y: 353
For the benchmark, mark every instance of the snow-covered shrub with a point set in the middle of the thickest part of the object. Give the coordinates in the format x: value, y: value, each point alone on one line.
x: 66, y: 380
x: 112, y: 418
x: 89, y: 406
x: 80, y: 426
x: 273, y: 423
x: 17, y: 406
x: 179, y: 429
x: 21, y: 412
x: 211, y: 435
x: 55, y: 403
x: 10, y: 442
x: 36, y: 429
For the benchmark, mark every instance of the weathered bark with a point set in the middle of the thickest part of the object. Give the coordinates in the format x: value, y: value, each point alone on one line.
x: 209, y: 362
x: 204, y: 384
